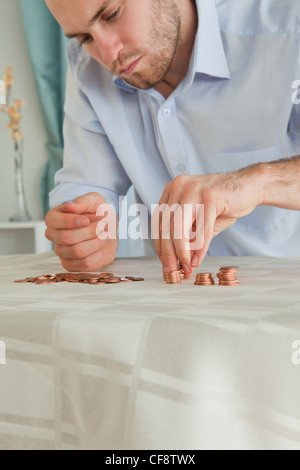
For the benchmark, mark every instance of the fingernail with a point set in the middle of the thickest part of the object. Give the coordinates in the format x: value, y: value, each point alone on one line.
x: 195, y: 260
x: 186, y: 268
x: 82, y: 223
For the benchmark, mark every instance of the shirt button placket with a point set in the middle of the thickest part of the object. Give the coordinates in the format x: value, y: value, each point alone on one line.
x: 167, y: 113
x: 170, y: 135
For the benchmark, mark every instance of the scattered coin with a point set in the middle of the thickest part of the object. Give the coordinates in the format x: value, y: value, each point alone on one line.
x: 82, y: 278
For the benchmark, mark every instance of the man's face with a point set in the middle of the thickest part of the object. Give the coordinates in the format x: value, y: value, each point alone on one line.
x: 134, y: 39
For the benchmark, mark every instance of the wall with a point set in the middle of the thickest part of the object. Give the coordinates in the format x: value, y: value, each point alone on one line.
x: 13, y: 51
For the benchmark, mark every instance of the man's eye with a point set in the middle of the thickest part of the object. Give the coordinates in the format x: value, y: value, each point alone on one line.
x: 114, y: 15
x: 86, y: 40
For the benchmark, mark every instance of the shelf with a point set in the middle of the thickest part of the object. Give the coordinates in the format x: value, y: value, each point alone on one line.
x: 38, y: 227
x: 21, y: 225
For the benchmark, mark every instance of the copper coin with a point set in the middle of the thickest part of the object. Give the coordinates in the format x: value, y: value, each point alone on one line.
x: 229, y: 268
x: 134, y: 278
x: 204, y: 279
x: 87, y: 276
x: 229, y: 283
x: 22, y: 281
x: 227, y: 277
x: 173, y: 277
x: 106, y: 275
x: 113, y: 280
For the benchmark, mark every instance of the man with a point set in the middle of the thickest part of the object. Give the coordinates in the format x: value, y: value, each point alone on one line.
x: 192, y: 102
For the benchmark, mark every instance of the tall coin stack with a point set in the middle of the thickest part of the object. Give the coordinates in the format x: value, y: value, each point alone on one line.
x: 227, y: 276
x: 173, y: 277
x: 204, y: 279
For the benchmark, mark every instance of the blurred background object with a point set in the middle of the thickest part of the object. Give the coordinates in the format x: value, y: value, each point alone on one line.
x: 14, y: 52
x: 34, y: 45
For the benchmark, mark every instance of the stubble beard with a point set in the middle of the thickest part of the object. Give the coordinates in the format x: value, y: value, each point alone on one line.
x: 163, y: 41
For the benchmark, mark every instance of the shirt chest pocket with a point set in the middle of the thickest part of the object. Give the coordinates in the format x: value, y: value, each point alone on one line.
x: 264, y: 219
x: 228, y: 162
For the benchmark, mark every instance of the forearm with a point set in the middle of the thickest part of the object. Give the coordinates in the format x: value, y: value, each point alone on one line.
x: 279, y: 183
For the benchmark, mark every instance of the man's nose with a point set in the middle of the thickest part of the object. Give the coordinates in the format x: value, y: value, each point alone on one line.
x: 109, y: 46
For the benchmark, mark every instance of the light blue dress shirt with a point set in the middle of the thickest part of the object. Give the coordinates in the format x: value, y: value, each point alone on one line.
x: 233, y: 109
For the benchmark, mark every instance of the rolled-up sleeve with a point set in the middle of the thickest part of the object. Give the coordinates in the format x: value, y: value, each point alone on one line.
x: 90, y: 161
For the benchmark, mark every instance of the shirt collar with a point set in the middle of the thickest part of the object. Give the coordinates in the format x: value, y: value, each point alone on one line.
x: 209, y: 56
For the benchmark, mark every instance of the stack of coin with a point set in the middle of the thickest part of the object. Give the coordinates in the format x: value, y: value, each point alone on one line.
x: 227, y: 276
x: 182, y: 273
x: 173, y: 277
x: 204, y: 279
x: 82, y: 278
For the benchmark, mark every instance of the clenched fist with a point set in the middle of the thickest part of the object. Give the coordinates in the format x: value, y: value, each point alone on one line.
x: 72, y: 228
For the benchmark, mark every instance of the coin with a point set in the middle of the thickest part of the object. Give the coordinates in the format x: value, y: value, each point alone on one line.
x: 227, y: 276
x: 76, y: 278
x: 173, y: 277
x: 230, y: 268
x: 204, y: 279
x: 229, y: 283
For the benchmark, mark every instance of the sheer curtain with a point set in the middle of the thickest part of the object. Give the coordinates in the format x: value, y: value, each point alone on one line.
x: 47, y: 44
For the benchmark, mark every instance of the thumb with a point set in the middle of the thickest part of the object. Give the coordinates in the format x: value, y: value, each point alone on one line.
x: 87, y: 204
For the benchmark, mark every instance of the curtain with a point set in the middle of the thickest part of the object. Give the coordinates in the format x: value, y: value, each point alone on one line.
x: 47, y: 45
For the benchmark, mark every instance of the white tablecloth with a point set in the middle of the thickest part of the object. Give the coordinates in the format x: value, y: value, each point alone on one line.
x: 149, y: 365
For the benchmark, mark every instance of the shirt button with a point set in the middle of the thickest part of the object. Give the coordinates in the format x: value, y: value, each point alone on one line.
x: 167, y: 112
x: 181, y: 169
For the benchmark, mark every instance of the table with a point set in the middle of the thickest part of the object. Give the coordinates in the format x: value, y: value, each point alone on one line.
x: 149, y: 365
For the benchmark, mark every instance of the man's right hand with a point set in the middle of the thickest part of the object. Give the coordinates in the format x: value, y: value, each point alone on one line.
x: 72, y: 229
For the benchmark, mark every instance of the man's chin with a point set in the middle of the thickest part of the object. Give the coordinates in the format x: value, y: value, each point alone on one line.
x: 142, y: 84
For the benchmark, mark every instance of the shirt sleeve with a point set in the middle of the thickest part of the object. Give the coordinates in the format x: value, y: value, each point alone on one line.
x: 90, y: 162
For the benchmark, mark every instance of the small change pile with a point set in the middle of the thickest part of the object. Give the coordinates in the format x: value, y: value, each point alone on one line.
x: 82, y: 278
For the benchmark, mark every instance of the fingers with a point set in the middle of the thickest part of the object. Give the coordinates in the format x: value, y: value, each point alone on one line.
x: 66, y: 237
x: 186, y: 239
x: 93, y: 261
x: 80, y: 251
x: 87, y: 204
x: 72, y: 228
x: 77, y: 214
x: 56, y: 219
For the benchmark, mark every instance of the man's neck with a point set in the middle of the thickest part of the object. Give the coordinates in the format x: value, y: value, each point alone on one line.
x: 181, y: 62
